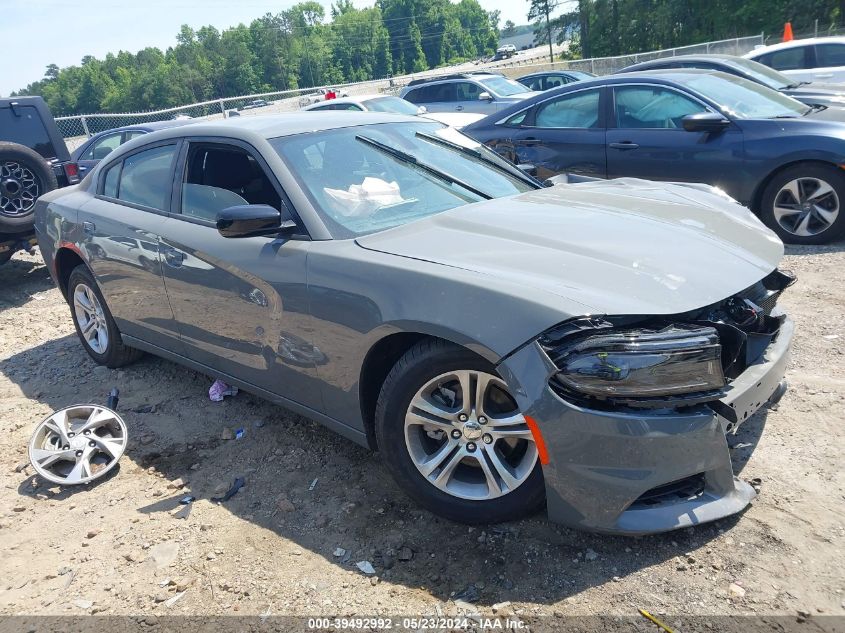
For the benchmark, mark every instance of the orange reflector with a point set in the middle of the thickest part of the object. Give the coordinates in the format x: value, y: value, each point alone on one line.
x: 538, y: 439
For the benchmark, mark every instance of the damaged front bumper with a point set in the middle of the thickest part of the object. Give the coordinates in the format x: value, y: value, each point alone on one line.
x: 642, y: 471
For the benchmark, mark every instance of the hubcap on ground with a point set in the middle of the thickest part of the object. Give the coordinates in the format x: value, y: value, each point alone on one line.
x: 806, y: 206
x: 78, y: 444
x: 467, y: 437
x: 91, y: 318
x: 18, y: 189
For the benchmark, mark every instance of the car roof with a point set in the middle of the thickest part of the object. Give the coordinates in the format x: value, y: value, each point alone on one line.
x: 543, y: 73
x: 715, y: 57
x: 810, y: 41
x: 272, y: 126
x: 427, y: 81
x: 151, y: 126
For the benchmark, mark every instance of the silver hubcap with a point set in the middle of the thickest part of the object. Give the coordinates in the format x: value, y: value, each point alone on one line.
x: 18, y: 188
x: 77, y: 444
x: 91, y: 319
x: 467, y: 437
x: 806, y: 206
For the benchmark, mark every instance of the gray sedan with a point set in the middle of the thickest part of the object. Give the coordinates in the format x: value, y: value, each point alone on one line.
x: 504, y: 345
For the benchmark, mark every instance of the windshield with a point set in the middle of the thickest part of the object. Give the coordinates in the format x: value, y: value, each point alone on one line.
x: 769, y: 76
x: 391, y: 104
x: 503, y: 87
x: 745, y: 99
x: 364, y: 179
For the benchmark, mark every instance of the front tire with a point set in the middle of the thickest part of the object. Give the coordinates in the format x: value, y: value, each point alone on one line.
x: 805, y: 204
x: 94, y: 323
x: 453, y: 438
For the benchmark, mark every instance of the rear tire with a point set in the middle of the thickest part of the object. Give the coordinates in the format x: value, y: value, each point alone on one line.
x: 482, y: 470
x: 24, y: 177
x: 94, y: 323
x: 805, y: 204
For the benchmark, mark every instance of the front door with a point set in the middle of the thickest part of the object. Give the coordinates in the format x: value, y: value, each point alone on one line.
x: 241, y: 304
x: 647, y: 140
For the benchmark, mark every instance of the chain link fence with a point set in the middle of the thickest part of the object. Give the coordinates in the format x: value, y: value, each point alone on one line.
x: 76, y: 129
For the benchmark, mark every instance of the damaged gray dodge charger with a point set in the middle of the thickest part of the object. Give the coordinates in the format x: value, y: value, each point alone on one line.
x: 504, y: 345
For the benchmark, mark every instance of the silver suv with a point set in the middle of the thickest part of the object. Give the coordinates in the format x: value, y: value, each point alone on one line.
x: 483, y: 93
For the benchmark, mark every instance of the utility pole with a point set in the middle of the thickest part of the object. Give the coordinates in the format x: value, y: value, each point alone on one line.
x: 548, y: 10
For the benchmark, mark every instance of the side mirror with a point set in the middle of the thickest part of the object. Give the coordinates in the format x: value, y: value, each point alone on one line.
x: 422, y: 110
x: 252, y: 220
x: 528, y: 168
x: 705, y: 122
x: 485, y: 96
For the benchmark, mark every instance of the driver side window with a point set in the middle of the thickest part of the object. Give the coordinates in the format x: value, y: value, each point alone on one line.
x: 102, y: 148
x: 652, y: 107
x: 218, y: 176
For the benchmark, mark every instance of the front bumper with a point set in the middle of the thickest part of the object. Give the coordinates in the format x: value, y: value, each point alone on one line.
x: 606, y: 469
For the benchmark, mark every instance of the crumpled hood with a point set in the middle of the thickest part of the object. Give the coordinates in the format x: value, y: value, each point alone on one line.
x: 622, y: 246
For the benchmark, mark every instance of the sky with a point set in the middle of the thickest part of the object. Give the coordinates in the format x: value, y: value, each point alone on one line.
x: 43, y: 32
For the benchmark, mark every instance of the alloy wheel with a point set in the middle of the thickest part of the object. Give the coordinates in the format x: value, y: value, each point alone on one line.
x: 19, y: 189
x: 466, y: 436
x: 78, y: 444
x: 806, y: 206
x: 91, y: 319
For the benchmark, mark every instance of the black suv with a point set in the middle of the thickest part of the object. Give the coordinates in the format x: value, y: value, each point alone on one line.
x: 33, y: 160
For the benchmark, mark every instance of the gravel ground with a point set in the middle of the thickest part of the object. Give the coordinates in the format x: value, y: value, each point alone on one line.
x: 315, y: 505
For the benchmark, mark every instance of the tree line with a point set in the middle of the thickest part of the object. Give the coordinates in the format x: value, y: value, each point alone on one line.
x: 297, y: 48
x: 601, y: 28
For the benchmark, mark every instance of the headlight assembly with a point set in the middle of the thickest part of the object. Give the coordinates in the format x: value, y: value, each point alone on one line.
x: 645, y: 367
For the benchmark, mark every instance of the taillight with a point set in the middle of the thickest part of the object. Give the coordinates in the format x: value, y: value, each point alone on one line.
x: 72, y: 173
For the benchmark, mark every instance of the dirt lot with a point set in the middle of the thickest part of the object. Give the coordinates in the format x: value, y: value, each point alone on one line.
x: 117, y: 548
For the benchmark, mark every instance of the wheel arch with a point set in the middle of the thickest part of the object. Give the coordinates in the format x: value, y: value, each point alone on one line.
x: 65, y: 261
x: 757, y: 198
x: 381, y: 358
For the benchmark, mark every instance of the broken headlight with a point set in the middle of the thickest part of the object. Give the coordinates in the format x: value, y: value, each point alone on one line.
x: 642, y: 365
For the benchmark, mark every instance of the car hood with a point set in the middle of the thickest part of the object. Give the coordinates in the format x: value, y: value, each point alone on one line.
x: 817, y: 89
x: 618, y: 247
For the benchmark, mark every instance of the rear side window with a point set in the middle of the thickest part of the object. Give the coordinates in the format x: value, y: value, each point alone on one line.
x: 830, y: 55
x: 579, y: 110
x: 102, y: 147
x: 111, y: 179
x: 23, y: 125
x: 144, y: 178
x: 787, y: 59
x: 432, y: 94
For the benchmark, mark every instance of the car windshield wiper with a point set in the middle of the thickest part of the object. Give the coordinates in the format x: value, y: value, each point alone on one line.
x: 412, y: 160
x: 477, y: 153
x: 797, y: 84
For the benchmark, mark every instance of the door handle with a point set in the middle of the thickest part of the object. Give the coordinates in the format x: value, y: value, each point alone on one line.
x: 82, y: 169
x: 173, y: 258
x: 531, y: 141
x: 89, y: 228
x: 624, y: 145
x: 459, y: 108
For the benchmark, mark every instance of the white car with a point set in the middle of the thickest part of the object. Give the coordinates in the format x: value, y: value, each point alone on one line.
x: 816, y: 59
x: 389, y: 103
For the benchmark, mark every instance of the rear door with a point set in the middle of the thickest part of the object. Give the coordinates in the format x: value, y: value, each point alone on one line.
x: 436, y: 97
x: 646, y: 139
x: 563, y: 134
x: 241, y: 304
x: 121, y: 226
